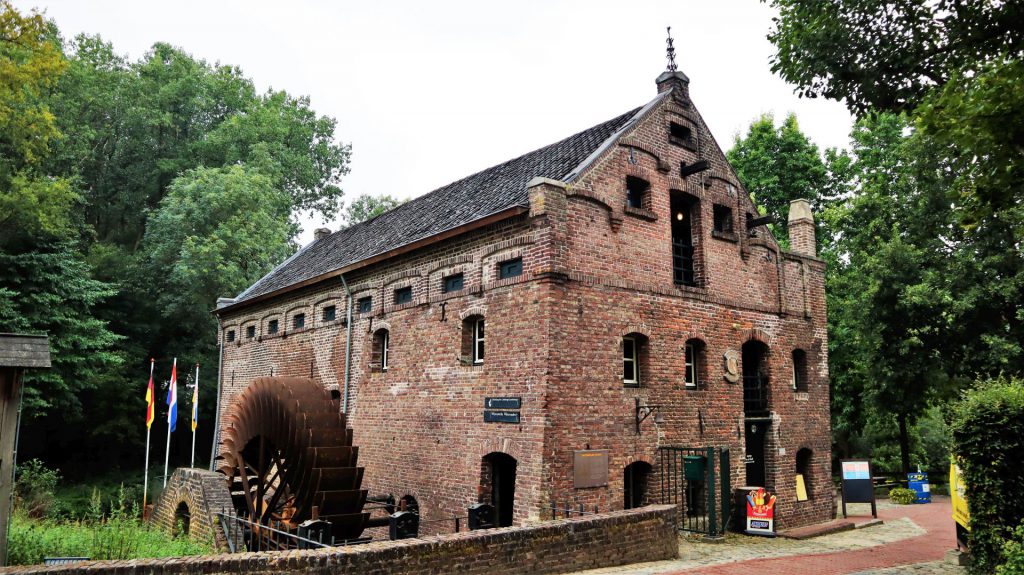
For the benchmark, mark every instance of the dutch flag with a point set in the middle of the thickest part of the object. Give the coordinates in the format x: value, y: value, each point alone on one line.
x: 172, y: 398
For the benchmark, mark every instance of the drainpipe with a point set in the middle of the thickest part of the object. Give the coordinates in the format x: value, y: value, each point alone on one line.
x: 221, y: 302
x: 348, y: 345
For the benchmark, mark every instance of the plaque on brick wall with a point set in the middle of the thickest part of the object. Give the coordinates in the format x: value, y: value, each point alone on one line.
x: 590, y: 468
x: 501, y: 416
x: 731, y: 366
x: 503, y: 403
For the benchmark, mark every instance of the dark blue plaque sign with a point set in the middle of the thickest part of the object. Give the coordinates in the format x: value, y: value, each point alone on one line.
x: 495, y: 416
x: 503, y: 403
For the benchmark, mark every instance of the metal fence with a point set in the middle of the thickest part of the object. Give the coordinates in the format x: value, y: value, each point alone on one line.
x: 243, y: 534
x: 696, y: 479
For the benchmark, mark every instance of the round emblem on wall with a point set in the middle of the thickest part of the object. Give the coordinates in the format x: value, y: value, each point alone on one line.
x: 731, y: 365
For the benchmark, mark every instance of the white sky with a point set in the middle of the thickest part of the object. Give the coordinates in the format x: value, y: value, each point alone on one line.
x: 430, y: 92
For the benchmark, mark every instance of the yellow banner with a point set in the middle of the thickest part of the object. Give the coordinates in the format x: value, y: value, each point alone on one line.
x: 958, y: 493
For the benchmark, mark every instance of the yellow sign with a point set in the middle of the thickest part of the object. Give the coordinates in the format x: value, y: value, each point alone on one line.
x: 958, y: 493
x: 801, y: 488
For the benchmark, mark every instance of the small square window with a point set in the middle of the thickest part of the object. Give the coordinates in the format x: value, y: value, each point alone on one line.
x: 299, y: 321
x: 636, y: 191
x: 365, y: 304
x: 403, y: 295
x: 723, y: 219
x: 510, y: 268
x: 330, y: 313
x: 453, y: 283
x: 250, y: 332
x: 272, y: 326
x: 231, y: 335
x: 680, y: 135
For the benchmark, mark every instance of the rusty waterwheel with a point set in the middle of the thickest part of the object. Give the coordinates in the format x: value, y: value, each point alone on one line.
x: 288, y: 456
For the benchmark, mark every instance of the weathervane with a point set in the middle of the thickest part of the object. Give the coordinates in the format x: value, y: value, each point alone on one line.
x: 670, y: 51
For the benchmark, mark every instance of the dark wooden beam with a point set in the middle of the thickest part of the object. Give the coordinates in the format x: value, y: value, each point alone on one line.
x: 690, y: 169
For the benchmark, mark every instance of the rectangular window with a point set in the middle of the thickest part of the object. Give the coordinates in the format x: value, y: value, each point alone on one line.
x: 636, y: 190
x: 250, y: 332
x: 330, y: 313
x: 630, y: 366
x: 365, y: 304
x: 231, y: 335
x: 403, y: 295
x: 385, y: 348
x: 723, y: 219
x: 453, y: 283
x: 272, y: 326
x: 478, y: 341
x: 680, y: 135
x: 691, y: 366
x: 510, y: 268
x: 299, y: 321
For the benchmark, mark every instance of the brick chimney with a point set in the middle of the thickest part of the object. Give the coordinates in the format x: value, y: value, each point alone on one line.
x: 674, y: 80
x: 801, y: 229
x: 321, y: 233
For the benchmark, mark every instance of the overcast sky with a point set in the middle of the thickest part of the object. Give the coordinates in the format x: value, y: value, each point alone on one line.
x: 430, y: 92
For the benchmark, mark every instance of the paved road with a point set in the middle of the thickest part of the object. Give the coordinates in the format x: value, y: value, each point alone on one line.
x: 913, y: 539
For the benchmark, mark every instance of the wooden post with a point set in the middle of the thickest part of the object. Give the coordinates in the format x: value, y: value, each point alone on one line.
x: 17, y: 352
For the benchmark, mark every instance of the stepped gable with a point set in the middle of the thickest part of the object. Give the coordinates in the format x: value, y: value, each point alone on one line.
x: 472, y: 198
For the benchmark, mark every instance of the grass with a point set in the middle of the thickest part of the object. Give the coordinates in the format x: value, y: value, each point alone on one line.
x: 113, y: 534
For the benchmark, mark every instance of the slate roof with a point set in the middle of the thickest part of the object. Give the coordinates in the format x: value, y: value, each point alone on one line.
x: 472, y: 198
x: 19, y: 350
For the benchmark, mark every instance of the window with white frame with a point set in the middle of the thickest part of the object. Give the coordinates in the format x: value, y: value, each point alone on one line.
x: 630, y: 362
x: 478, y: 341
x: 691, y: 365
x: 385, y: 348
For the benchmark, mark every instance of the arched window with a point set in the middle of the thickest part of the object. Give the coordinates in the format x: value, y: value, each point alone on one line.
x: 634, y: 359
x: 799, y: 370
x: 804, y: 474
x: 182, y: 520
x: 634, y: 484
x: 381, y: 349
x: 473, y: 338
x: 695, y: 375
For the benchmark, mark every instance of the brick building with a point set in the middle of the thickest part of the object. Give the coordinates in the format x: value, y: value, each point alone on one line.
x: 612, y: 269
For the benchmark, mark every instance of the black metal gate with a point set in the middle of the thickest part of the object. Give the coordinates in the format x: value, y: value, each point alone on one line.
x: 696, y: 479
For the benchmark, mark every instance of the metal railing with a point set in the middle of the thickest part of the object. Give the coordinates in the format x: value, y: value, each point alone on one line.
x: 697, y: 480
x: 243, y: 534
x: 569, y: 511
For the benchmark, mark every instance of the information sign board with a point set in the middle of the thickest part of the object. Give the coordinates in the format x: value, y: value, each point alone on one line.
x: 496, y: 416
x: 857, y: 484
x: 760, y: 513
x: 590, y: 468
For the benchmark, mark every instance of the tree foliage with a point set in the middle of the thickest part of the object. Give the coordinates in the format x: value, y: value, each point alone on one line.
x: 880, y: 55
x: 366, y: 207
x: 778, y: 165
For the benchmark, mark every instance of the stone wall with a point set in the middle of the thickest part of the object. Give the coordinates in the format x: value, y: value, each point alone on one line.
x: 202, y: 493
x: 565, y: 545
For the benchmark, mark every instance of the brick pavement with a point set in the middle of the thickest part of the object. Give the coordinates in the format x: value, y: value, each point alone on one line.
x: 913, y: 539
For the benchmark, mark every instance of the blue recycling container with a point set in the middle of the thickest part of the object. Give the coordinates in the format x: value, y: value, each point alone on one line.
x: 918, y: 483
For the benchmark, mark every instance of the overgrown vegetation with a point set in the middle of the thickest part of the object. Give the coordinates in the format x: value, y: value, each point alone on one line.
x: 107, y: 528
x: 988, y: 442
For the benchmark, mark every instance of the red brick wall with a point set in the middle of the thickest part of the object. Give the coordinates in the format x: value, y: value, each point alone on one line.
x: 562, y: 546
x: 594, y: 271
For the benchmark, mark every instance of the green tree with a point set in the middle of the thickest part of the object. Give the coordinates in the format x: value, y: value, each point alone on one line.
x: 886, y: 56
x: 366, y: 207
x: 778, y: 165
x: 33, y: 205
x: 216, y: 232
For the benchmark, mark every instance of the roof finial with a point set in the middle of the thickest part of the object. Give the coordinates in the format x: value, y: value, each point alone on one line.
x: 670, y: 51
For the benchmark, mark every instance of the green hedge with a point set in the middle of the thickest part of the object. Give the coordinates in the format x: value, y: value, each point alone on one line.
x: 987, y: 426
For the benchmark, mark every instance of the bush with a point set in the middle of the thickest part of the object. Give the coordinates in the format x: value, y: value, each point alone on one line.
x: 34, y: 488
x: 902, y: 495
x: 1013, y: 554
x: 987, y: 425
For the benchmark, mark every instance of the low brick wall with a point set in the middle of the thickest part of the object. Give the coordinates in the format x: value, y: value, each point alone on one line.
x: 203, y: 493
x: 616, y: 538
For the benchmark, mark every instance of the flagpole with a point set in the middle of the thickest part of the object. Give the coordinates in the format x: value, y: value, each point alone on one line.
x: 195, y: 415
x: 145, y: 473
x: 167, y: 453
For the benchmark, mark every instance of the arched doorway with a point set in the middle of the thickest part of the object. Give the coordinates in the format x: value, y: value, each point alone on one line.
x: 634, y: 480
x: 756, y: 410
x: 498, y: 484
x: 182, y: 520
